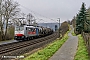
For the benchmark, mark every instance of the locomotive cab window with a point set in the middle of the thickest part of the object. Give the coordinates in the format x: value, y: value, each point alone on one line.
x: 19, y: 28
x: 31, y: 29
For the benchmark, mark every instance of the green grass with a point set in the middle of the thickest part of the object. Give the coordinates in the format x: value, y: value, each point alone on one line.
x: 73, y: 33
x: 82, y: 53
x: 48, y: 51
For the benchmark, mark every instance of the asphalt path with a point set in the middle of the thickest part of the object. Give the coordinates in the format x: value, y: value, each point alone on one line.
x: 68, y: 49
x: 8, y: 41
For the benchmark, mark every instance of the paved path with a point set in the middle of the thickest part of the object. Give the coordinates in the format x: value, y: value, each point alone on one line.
x: 68, y: 49
x: 8, y: 41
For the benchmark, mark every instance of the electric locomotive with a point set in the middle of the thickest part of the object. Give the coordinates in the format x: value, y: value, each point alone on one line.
x: 25, y: 32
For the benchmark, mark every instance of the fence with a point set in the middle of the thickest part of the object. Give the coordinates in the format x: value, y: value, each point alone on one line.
x: 86, y: 37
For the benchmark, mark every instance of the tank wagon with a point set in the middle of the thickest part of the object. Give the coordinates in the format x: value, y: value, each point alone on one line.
x: 28, y: 32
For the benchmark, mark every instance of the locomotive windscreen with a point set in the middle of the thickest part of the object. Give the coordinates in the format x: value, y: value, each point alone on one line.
x: 19, y: 28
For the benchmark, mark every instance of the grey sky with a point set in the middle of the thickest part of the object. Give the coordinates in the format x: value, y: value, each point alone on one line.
x: 64, y: 9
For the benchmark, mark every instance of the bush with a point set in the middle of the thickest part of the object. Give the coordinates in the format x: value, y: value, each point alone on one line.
x: 10, y: 33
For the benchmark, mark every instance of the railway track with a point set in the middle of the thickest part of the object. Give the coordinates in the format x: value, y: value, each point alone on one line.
x: 19, y: 48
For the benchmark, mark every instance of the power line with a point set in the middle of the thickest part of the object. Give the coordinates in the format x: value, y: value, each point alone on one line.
x: 31, y: 11
x: 36, y: 13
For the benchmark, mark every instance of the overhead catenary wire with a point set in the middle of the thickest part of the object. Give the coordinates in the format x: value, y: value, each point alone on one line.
x: 31, y: 12
x: 35, y: 13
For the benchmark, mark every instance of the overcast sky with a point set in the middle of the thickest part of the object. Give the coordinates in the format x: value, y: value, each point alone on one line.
x: 53, y: 9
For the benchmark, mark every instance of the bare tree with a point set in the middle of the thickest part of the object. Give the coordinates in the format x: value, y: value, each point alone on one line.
x: 1, y: 22
x: 9, y: 10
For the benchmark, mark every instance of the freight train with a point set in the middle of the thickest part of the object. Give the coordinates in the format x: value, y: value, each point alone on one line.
x: 28, y: 32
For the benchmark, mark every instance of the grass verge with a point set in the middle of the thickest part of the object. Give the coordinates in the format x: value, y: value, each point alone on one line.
x: 73, y: 33
x: 48, y: 51
x: 81, y: 53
